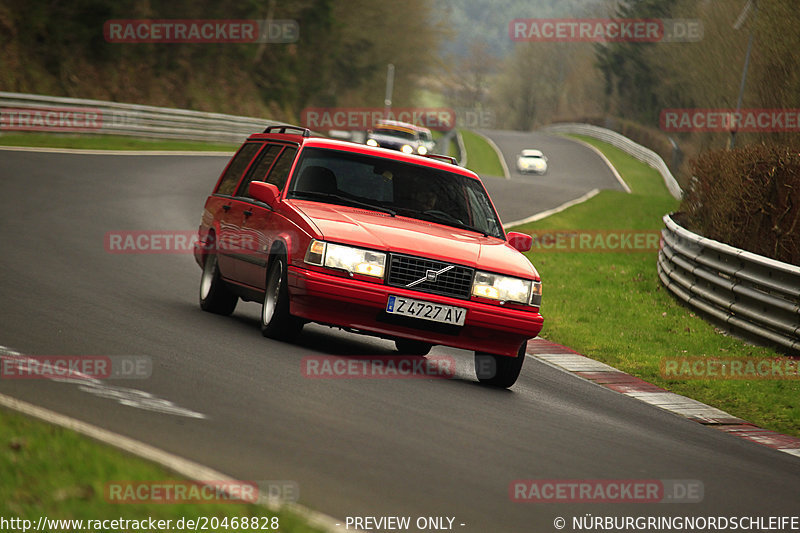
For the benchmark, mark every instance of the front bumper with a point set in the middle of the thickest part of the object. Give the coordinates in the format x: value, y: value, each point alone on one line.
x: 360, y: 305
x: 532, y: 170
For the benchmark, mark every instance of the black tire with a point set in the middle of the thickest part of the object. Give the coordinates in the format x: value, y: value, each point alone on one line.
x: 215, y: 295
x: 412, y: 347
x: 499, y: 370
x: 276, y: 321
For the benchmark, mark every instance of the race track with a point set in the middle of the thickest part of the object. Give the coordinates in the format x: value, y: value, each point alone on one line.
x: 355, y: 447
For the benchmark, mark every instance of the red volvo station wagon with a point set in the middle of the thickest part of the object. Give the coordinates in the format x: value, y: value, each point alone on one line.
x: 370, y: 240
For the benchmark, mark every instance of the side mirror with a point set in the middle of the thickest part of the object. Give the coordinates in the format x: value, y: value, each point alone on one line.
x: 264, y: 192
x: 520, y: 241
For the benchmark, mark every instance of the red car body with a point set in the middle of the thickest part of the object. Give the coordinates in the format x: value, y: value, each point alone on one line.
x: 246, y: 226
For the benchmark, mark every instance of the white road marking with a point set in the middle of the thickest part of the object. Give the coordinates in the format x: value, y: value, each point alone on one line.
x: 544, y: 214
x: 123, y: 395
x: 179, y: 465
x: 506, y: 173
x: 605, y: 159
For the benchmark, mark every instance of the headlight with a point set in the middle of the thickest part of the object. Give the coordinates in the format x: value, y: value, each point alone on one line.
x: 406, y: 149
x: 347, y: 258
x: 502, y: 288
x: 421, y: 150
x: 372, y: 142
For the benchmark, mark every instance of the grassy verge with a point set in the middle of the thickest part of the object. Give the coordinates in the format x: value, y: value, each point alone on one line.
x: 481, y: 157
x: 450, y: 149
x: 56, y: 473
x: 613, y: 308
x: 108, y: 142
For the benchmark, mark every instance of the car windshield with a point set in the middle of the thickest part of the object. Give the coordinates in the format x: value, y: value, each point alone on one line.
x: 530, y: 157
x: 405, y: 134
x: 394, y: 187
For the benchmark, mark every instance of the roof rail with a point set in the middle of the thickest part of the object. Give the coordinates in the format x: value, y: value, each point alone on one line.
x: 305, y: 132
x: 446, y: 158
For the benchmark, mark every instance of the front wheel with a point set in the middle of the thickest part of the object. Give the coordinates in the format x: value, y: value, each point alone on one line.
x: 499, y: 370
x: 276, y: 321
x: 215, y: 296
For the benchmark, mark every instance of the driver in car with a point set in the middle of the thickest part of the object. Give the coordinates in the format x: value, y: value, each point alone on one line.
x: 424, y: 199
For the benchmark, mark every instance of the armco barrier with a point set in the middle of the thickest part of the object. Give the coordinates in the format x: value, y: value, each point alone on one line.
x: 30, y: 112
x: 645, y: 155
x: 750, y: 293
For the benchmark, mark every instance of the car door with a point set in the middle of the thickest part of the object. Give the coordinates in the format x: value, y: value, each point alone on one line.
x: 260, y: 224
x: 227, y: 211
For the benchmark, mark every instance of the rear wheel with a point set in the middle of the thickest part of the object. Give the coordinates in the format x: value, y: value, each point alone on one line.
x: 276, y: 321
x: 215, y: 295
x: 499, y: 370
x: 412, y: 347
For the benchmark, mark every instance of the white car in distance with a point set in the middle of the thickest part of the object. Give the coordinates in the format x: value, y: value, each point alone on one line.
x: 532, y: 161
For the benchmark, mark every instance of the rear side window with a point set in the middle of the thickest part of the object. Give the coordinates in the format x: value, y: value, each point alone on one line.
x: 280, y: 170
x: 237, y: 167
x: 258, y: 170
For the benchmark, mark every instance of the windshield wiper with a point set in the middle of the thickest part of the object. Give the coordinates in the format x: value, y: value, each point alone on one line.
x: 450, y: 220
x: 342, y: 199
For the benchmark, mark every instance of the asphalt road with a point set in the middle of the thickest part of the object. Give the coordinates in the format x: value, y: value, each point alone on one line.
x: 573, y: 170
x: 355, y: 447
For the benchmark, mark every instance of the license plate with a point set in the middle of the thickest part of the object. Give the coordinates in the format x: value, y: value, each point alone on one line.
x: 446, y: 314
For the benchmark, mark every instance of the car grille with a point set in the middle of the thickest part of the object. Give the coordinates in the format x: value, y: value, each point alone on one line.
x: 405, y: 269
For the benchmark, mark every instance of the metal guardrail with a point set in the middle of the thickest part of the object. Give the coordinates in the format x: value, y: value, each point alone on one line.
x: 29, y: 112
x: 750, y: 293
x: 755, y: 295
x: 645, y: 155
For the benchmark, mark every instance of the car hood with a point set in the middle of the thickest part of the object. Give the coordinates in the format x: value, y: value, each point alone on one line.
x: 380, y: 231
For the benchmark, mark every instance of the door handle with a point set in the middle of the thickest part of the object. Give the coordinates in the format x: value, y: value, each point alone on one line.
x: 226, y: 208
x: 248, y: 213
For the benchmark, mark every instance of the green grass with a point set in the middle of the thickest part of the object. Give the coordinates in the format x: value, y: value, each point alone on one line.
x: 108, y: 142
x: 452, y: 148
x: 53, y: 472
x: 481, y: 157
x: 613, y: 308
